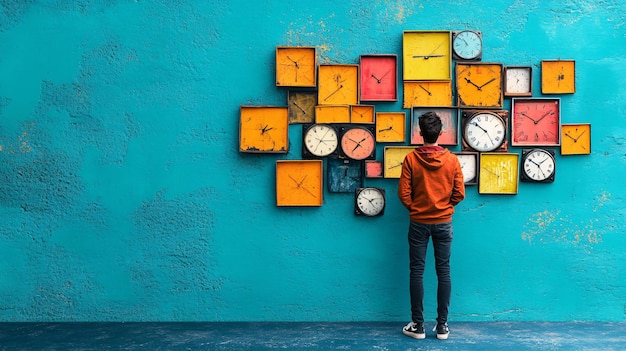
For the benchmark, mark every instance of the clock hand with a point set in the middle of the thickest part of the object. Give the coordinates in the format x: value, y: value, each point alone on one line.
x: 377, y: 79
x: 426, y: 90
x: 333, y: 93
x: 294, y: 62
x: 386, y: 129
x: 527, y: 116
x: 383, y: 76
x: 394, y: 166
x: 266, y: 129
x: 544, y: 116
x: 426, y: 57
x: 492, y: 79
x: 578, y: 137
x: 569, y: 136
x: 492, y: 172
x: 472, y: 83
x: 484, y: 130
x: 299, y: 107
x: 358, y: 144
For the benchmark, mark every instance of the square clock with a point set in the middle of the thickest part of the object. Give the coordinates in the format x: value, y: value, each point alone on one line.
x: 299, y: 183
x: 379, y: 78
x: 450, y: 124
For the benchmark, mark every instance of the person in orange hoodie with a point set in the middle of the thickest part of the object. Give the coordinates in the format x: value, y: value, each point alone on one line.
x: 430, y: 186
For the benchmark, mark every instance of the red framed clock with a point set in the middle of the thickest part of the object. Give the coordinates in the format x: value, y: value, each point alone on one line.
x: 379, y: 77
x: 535, y: 122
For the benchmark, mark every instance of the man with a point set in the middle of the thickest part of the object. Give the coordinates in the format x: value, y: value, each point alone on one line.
x: 430, y: 186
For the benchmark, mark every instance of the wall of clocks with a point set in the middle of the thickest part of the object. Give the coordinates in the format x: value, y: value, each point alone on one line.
x: 441, y: 71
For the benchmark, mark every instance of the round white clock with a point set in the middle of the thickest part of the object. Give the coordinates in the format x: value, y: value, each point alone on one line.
x: 369, y: 201
x: 320, y: 140
x: 484, y: 131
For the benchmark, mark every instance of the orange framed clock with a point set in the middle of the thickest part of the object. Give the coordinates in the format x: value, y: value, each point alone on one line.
x: 263, y: 129
x: 296, y: 66
x: 427, y: 93
x: 427, y: 55
x: 332, y: 114
x: 362, y: 114
x: 338, y: 84
x: 449, y: 125
x: 357, y: 142
x: 558, y: 76
x: 379, y: 77
x: 299, y: 183
x: 576, y: 139
x: 479, y: 84
x: 390, y: 127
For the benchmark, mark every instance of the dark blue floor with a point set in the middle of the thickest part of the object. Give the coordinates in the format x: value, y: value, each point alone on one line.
x: 517, y: 336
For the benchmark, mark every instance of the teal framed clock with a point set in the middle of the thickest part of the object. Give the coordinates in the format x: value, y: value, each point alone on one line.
x: 344, y: 175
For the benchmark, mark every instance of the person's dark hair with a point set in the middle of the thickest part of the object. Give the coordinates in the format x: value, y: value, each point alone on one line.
x: 430, y: 126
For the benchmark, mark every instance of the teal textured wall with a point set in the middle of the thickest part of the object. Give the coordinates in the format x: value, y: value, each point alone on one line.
x: 123, y: 195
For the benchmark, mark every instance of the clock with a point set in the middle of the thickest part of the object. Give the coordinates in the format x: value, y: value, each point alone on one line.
x: 358, y: 142
x: 426, y: 55
x: 449, y: 128
x: 558, y: 76
x: 538, y: 165
x: 535, y: 121
x: 373, y: 169
x: 369, y: 202
x: 344, y: 175
x: 390, y: 127
x: 263, y: 129
x: 379, y: 77
x: 498, y: 173
x: 469, y: 166
x: 518, y: 81
x: 301, y: 106
x: 467, y: 45
x: 576, y: 139
x: 427, y: 93
x: 296, y: 66
x: 338, y: 84
x: 299, y: 183
x: 332, y: 114
x: 479, y: 84
x: 393, y: 159
x: 362, y: 114
x: 318, y: 140
x: 484, y: 130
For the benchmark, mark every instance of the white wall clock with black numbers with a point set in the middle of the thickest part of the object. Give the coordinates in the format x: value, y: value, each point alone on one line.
x: 369, y: 202
x: 538, y: 166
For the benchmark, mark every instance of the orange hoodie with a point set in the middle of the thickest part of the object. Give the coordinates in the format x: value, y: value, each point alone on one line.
x: 431, y: 184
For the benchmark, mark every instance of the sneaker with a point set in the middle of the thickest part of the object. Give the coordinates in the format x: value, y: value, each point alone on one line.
x: 414, y: 330
x: 442, y: 331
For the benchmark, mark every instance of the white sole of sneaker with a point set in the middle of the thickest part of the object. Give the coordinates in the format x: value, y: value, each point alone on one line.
x: 414, y: 335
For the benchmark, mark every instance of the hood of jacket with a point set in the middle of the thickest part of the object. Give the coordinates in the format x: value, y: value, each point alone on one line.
x: 432, y: 157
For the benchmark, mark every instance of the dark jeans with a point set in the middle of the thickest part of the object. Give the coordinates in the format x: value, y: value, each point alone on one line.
x: 419, y: 235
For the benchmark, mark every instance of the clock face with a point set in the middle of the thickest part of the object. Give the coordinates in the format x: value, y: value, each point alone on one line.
x: 426, y: 55
x: 301, y: 106
x: 338, y: 85
x: 518, y: 81
x: 344, y: 175
x: 535, y: 122
x: 498, y: 173
x: 299, y: 183
x: 576, y: 139
x: 393, y: 159
x: 320, y: 140
x: 263, y: 129
x: 479, y: 84
x: 332, y: 114
x: 369, y: 201
x: 469, y: 166
x: 379, y: 75
x: 295, y: 66
x: 558, y: 77
x: 468, y: 45
x: 363, y: 114
x: 484, y: 131
x: 538, y: 165
x: 427, y: 93
x: 358, y: 143
x: 449, y: 129
x: 373, y: 169
x: 390, y: 127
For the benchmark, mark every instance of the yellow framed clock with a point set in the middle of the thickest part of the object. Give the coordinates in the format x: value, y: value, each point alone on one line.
x: 558, y: 76
x: 576, y: 139
x: 299, y: 183
x: 332, y: 114
x: 379, y: 77
x: 499, y: 173
x: 479, y: 84
x: 338, y: 84
x: 362, y: 114
x: 301, y: 105
x: 393, y: 157
x: 427, y: 55
x: 390, y: 127
x: 427, y: 93
x: 263, y: 129
x: 296, y: 66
